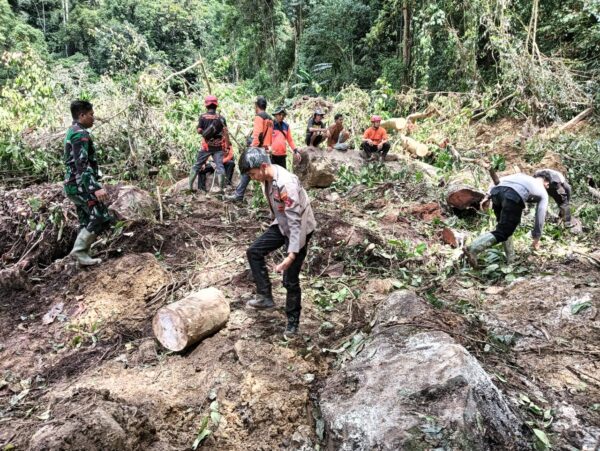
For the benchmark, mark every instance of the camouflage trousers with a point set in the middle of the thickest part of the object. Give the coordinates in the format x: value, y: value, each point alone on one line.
x: 92, y: 214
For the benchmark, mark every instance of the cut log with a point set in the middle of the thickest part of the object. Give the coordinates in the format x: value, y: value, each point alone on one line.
x: 394, y: 124
x: 186, y: 322
x: 463, y: 197
x: 462, y: 194
x: 415, y: 147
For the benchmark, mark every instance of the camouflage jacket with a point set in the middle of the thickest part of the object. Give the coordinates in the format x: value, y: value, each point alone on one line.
x: 80, y: 161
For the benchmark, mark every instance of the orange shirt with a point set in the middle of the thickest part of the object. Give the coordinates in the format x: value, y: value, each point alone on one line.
x: 262, y: 127
x: 375, y: 135
x: 228, y: 155
x: 282, y: 135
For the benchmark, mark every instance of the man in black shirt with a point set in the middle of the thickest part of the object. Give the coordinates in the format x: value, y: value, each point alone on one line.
x: 316, y: 132
x: 213, y: 128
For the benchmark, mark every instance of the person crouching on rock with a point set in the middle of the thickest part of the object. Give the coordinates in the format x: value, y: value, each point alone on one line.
x: 81, y: 182
x: 282, y: 136
x: 508, y: 201
x: 293, y: 226
x: 316, y: 131
x: 375, y: 143
x: 337, y: 135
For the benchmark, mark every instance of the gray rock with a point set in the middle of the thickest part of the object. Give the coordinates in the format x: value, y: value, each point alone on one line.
x: 413, y: 390
x: 133, y: 204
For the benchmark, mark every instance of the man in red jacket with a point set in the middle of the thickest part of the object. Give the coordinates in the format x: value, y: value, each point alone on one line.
x: 282, y: 136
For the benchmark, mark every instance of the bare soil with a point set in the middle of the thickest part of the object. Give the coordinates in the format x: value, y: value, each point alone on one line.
x: 95, y: 378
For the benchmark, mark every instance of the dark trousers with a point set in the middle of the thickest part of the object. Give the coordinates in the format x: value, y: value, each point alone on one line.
x: 561, y: 193
x: 229, y: 168
x: 373, y: 149
x: 268, y: 242
x: 208, y: 169
x: 314, y: 139
x: 508, y: 208
x: 204, y: 155
x: 279, y: 160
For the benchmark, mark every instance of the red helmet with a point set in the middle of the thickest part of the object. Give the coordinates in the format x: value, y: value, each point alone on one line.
x: 375, y: 118
x: 211, y: 100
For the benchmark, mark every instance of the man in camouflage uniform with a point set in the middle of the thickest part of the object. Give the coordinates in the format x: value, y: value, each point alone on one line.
x: 81, y: 182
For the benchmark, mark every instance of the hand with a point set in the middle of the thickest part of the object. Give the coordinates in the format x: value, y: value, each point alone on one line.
x: 329, y: 149
x: 536, y: 244
x: 101, y: 195
x: 286, y: 263
x: 379, y: 146
x: 484, y: 204
x: 297, y: 156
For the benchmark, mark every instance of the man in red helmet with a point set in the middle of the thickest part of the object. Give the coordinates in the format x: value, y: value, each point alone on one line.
x: 213, y: 128
x: 375, y: 141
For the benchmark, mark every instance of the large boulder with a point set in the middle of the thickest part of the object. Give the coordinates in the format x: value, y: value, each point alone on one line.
x: 415, y: 389
x: 132, y: 204
x: 318, y: 167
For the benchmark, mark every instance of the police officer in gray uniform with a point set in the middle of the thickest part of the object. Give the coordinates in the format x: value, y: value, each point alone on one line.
x: 293, y: 225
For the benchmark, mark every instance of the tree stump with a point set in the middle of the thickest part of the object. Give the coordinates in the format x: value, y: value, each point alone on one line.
x: 185, y: 322
x: 462, y: 194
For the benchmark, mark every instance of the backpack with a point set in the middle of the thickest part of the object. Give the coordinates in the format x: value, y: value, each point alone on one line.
x: 214, y: 129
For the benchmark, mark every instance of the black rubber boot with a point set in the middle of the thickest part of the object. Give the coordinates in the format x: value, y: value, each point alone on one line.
x: 261, y: 302
x: 202, y: 181
x: 293, y: 324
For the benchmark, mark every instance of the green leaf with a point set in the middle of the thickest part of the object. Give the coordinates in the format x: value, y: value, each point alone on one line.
x: 580, y: 306
x: 542, y: 443
x: 536, y: 409
x: 203, y: 432
x: 215, y: 417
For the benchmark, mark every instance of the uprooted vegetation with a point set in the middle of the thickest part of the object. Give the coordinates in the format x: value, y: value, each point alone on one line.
x: 80, y: 367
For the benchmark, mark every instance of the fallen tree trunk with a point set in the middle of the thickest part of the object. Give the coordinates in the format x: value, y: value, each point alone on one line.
x: 553, y: 132
x: 400, y: 124
x: 415, y: 147
x: 461, y: 193
x: 185, y: 322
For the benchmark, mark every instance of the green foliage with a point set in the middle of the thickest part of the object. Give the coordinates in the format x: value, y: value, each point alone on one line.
x: 368, y: 175
x: 119, y: 48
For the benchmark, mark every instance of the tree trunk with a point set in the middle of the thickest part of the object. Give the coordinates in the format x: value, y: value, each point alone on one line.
x: 415, y: 147
x: 185, y: 322
x: 406, y: 40
x: 461, y: 194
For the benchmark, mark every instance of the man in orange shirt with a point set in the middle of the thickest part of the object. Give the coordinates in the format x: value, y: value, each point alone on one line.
x: 375, y: 141
x: 282, y: 136
x: 262, y: 137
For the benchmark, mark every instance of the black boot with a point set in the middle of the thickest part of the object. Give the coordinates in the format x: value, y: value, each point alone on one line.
x: 261, y: 302
x: 202, y: 181
x: 293, y: 323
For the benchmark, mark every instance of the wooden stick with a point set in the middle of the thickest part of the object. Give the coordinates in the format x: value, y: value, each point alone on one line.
x: 577, y: 119
x: 594, y: 192
x: 498, y: 103
x: 160, y: 206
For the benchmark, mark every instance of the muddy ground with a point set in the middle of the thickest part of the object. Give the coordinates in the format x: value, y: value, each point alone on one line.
x: 80, y: 369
